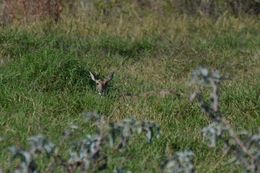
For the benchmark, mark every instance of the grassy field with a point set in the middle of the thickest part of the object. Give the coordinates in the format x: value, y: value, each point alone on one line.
x: 45, y: 83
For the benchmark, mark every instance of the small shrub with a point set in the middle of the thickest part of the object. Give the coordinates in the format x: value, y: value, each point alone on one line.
x: 244, y: 147
x: 181, y: 162
x: 88, y: 153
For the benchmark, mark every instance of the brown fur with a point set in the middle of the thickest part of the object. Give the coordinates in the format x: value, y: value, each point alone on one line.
x: 101, y: 85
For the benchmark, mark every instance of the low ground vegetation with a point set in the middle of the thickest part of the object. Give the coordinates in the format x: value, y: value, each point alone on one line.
x: 45, y: 84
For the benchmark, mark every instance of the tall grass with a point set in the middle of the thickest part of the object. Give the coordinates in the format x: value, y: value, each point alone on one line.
x: 45, y: 85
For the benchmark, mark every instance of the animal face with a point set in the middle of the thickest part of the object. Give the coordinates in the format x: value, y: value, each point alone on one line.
x: 101, y: 85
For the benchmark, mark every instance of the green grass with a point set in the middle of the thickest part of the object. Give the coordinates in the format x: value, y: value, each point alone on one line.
x: 45, y: 84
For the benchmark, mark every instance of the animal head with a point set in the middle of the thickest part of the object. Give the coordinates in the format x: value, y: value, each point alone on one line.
x: 101, y: 85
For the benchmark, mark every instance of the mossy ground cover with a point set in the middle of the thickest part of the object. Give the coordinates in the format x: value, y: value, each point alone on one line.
x: 45, y: 83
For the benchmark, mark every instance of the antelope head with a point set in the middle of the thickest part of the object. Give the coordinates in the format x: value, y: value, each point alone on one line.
x: 101, y: 85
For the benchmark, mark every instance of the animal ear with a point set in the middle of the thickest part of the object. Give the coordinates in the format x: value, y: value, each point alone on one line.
x: 110, y: 77
x: 92, y: 77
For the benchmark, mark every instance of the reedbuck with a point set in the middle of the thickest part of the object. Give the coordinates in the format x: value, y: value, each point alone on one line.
x: 101, y: 85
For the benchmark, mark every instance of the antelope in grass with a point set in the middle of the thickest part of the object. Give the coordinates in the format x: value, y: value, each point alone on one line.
x: 101, y: 85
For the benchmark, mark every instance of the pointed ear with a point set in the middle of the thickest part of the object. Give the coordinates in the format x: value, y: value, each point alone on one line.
x: 92, y: 77
x: 110, y: 77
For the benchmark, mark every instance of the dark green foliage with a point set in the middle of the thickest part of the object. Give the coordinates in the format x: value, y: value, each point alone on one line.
x: 51, y: 71
x: 125, y: 47
x: 59, y: 75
